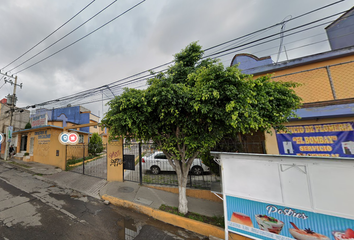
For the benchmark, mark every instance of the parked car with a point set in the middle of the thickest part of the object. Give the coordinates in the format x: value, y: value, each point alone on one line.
x: 158, y: 162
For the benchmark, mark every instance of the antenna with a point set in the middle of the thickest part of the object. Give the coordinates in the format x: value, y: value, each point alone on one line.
x: 282, y: 29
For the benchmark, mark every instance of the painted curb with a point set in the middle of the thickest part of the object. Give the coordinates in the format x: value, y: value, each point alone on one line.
x: 186, y: 223
x: 86, y: 161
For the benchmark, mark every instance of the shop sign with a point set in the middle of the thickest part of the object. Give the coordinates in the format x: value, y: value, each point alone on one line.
x: 270, y: 221
x: 323, y: 140
x: 39, y: 120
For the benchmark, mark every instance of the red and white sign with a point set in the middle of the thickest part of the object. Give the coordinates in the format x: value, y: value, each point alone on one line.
x: 39, y: 120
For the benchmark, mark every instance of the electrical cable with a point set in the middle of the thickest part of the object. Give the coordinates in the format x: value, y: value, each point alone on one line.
x: 81, y: 37
x: 50, y: 34
x: 204, y: 50
x: 82, y: 24
x: 233, y: 48
x: 88, y: 92
x: 277, y: 24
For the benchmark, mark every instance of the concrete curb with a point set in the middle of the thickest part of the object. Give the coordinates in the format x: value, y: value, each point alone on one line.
x: 186, y: 223
x: 86, y: 161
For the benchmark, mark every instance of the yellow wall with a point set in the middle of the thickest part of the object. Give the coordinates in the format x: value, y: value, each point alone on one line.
x: 115, y: 161
x: 44, y: 149
x: 271, y: 139
x: 77, y: 151
x: 316, y: 84
x: 55, y: 123
x: 46, y: 144
x: 94, y: 129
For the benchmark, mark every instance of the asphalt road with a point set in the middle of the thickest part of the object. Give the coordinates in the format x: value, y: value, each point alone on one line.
x: 31, y: 208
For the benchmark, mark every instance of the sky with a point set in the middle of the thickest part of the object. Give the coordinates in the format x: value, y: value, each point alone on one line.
x: 141, y: 39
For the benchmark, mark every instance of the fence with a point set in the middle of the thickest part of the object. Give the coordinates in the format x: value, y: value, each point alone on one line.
x: 88, y: 159
x: 332, y: 82
x: 155, y: 168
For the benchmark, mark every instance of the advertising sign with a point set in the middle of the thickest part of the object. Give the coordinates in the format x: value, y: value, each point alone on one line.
x: 39, y: 120
x: 9, y: 132
x: 323, y: 140
x: 270, y: 221
x: 1, y: 138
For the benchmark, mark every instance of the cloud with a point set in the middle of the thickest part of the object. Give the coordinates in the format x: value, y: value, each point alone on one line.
x: 147, y: 36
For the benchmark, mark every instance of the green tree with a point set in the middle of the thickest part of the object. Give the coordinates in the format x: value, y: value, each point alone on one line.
x: 95, y: 145
x: 188, y: 109
x: 28, y: 125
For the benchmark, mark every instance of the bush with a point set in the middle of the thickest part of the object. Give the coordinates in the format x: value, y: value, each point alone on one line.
x: 28, y: 125
x: 95, y: 145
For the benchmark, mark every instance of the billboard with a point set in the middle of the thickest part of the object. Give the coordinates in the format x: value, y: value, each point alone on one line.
x: 287, y: 197
x: 39, y: 120
x: 270, y: 221
x: 321, y: 140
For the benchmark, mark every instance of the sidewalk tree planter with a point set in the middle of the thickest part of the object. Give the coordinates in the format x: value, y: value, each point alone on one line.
x: 189, y: 108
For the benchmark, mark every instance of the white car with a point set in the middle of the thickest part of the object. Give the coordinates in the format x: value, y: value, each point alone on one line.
x: 158, y: 162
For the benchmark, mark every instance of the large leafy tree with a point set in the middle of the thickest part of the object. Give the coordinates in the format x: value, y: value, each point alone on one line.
x: 188, y: 109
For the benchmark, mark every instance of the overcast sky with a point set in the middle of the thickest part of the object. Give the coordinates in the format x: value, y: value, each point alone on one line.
x: 145, y: 37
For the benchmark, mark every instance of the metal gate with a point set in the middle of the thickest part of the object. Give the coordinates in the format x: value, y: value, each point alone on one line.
x: 139, y: 158
x: 131, y: 163
x: 88, y: 159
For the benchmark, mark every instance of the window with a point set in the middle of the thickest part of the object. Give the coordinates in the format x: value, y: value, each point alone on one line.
x: 160, y: 156
x: 81, y: 138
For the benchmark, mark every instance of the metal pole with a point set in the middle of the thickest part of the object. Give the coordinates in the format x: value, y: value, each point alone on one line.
x: 66, y: 156
x: 140, y: 170
x: 122, y: 155
x: 190, y: 180
x: 11, y: 113
x: 331, y: 82
x: 83, y: 160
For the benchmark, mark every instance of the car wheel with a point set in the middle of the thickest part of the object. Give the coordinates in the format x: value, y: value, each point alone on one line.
x: 196, y: 170
x: 155, y: 170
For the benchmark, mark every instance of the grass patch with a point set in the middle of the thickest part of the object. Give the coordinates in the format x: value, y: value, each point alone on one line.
x: 21, y: 165
x: 216, y: 221
x: 75, y: 160
x: 38, y: 174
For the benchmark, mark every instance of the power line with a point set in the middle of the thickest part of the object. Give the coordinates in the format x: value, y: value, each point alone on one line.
x: 49, y: 34
x: 105, y: 8
x: 277, y: 24
x: 138, y: 4
x: 82, y: 37
x: 119, y: 83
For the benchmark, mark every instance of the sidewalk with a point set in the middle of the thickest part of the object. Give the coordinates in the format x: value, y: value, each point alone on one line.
x: 129, y: 194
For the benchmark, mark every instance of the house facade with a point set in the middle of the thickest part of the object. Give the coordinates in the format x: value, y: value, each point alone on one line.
x: 326, y: 123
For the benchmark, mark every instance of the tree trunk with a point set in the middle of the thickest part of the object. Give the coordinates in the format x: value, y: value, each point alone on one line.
x: 182, y: 193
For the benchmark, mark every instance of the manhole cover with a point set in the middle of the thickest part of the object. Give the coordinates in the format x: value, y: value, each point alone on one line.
x: 125, y: 189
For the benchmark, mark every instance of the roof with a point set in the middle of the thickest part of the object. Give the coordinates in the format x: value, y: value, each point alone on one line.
x: 320, y: 57
x: 332, y: 111
x: 340, y: 18
x: 46, y: 126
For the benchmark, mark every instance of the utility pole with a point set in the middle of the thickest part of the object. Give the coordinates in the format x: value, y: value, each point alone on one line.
x: 12, y: 108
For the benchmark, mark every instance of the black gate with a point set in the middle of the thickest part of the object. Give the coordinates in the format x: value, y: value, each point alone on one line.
x: 145, y: 164
x: 88, y: 159
x: 131, y: 164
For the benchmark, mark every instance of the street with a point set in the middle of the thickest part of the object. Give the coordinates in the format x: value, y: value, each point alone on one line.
x: 31, y: 208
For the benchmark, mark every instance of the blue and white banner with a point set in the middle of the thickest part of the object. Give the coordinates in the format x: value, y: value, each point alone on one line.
x: 324, y: 140
x: 269, y: 221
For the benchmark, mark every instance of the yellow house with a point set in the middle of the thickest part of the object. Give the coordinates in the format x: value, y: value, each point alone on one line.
x: 328, y: 101
x: 43, y: 145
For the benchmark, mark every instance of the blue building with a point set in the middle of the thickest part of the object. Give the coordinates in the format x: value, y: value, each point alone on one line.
x: 75, y: 115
